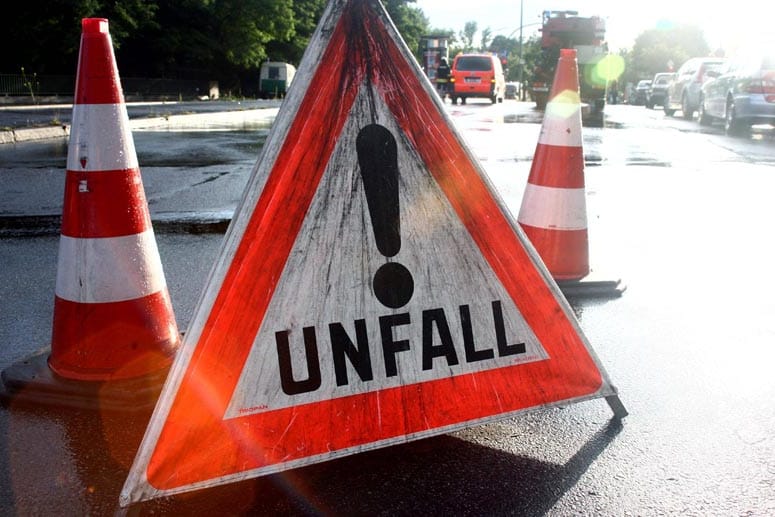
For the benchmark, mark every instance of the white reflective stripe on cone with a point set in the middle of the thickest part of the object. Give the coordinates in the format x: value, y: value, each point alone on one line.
x: 100, y: 139
x: 111, y: 269
x: 553, y: 207
x: 561, y: 125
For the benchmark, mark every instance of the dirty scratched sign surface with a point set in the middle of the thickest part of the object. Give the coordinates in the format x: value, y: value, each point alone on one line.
x: 371, y: 290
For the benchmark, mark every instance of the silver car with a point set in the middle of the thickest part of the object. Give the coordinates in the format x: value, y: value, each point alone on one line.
x: 684, y: 91
x: 741, y: 94
x: 657, y: 93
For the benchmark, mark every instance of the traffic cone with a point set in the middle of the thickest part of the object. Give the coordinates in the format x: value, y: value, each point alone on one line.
x: 553, y: 213
x: 113, y: 319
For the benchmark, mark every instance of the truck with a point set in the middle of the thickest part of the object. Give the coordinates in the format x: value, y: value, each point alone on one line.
x: 434, y: 48
x: 565, y: 29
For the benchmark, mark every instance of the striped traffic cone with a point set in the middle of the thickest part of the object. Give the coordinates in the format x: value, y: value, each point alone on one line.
x: 553, y: 212
x: 113, y: 319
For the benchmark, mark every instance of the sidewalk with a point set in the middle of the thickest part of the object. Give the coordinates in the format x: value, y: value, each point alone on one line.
x: 30, y: 206
x: 23, y: 123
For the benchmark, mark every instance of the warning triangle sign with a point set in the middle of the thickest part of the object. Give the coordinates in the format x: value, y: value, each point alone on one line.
x: 372, y: 288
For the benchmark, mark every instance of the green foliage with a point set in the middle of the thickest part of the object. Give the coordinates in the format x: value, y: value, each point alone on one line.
x: 509, y: 47
x: 410, y: 21
x: 654, y: 49
x: 224, y: 40
x: 245, y: 27
x: 182, y: 42
x: 125, y: 18
x: 486, y: 38
x: 467, y: 36
x: 501, y: 44
x: 41, y: 35
x: 306, y: 14
x: 517, y: 69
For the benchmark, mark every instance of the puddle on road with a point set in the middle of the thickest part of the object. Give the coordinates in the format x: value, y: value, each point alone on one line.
x: 35, y: 154
x: 198, y: 149
x: 522, y: 118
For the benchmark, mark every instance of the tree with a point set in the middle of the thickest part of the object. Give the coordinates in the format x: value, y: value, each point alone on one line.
x: 410, y: 21
x: 306, y: 14
x: 486, y: 36
x: 467, y: 36
x: 224, y: 40
x: 531, y: 55
x: 508, y: 47
x: 179, y: 44
x: 654, y: 49
x: 43, y: 36
x: 246, y: 27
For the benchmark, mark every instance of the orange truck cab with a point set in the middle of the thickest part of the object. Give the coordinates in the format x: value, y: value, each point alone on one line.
x: 477, y: 75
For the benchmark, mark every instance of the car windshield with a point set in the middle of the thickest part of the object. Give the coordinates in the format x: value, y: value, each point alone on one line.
x: 473, y: 64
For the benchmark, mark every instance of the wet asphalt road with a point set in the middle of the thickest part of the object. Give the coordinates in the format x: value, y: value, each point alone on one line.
x: 681, y: 214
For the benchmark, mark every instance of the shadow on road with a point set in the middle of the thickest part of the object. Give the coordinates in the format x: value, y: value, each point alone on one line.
x: 76, y: 462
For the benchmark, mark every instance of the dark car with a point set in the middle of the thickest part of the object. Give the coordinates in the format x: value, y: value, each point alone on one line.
x: 658, y: 91
x: 641, y: 92
x: 512, y: 91
x: 742, y: 93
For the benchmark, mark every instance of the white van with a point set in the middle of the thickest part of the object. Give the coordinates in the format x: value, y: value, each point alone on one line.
x: 274, y: 79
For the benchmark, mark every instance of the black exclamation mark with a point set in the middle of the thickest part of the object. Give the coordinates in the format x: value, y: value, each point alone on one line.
x: 378, y: 158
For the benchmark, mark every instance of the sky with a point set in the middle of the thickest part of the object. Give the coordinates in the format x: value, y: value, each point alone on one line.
x: 730, y: 26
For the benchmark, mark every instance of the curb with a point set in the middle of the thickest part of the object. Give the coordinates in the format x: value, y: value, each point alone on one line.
x: 235, y: 119
x: 223, y: 119
x: 33, y: 133
x: 188, y: 223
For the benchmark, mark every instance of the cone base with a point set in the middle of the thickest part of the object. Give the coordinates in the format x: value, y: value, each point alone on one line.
x: 564, y: 252
x: 113, y: 340
x: 591, y: 288
x: 31, y: 382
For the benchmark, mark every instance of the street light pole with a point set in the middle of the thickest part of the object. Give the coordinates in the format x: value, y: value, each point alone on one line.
x: 521, y: 64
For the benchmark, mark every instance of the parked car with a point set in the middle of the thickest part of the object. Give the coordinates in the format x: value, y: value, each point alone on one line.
x: 641, y: 92
x: 683, y: 93
x: 656, y: 94
x: 477, y: 75
x: 511, y: 91
x: 742, y: 93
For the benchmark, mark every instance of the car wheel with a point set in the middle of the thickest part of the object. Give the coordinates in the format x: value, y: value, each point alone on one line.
x: 704, y: 118
x: 686, y: 110
x: 733, y: 126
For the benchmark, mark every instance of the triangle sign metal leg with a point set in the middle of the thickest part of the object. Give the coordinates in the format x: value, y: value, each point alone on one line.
x: 616, y: 406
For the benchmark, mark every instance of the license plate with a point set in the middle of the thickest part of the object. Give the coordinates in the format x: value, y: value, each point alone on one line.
x: 473, y: 79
